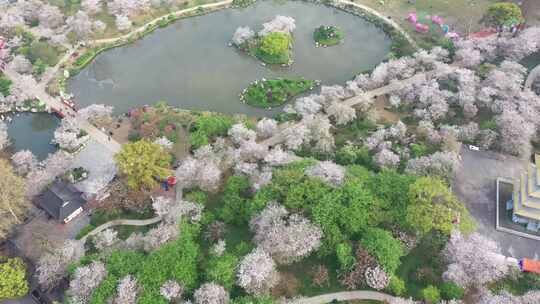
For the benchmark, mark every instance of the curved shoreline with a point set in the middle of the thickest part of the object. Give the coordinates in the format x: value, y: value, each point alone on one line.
x: 100, y: 45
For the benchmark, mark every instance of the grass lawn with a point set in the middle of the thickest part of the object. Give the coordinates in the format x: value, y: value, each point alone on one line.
x: 328, y: 35
x: 275, y: 92
x: 100, y: 217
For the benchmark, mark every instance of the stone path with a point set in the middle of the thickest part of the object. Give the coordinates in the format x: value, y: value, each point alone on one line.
x: 346, y: 296
x: 533, y: 75
x: 120, y: 222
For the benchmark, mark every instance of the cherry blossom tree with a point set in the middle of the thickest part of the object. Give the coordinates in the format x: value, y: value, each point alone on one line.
x: 287, y: 238
x: 127, y: 7
x: 257, y: 272
x: 211, y: 293
x: 242, y: 34
x: 127, y: 291
x: 123, y: 23
x: 85, y: 280
x: 516, y: 133
x: 385, y: 158
x: 97, y: 114
x: 442, y: 164
x: 50, y: 16
x: 171, y: 290
x: 68, y: 135
x: 467, y: 267
x: 195, y: 172
x: 239, y: 134
x: 295, y: 136
x: 92, y: 7
x: 278, y: 157
x: 327, y: 171
x: 55, y: 164
x: 282, y: 24
x: 24, y: 161
x: 52, y: 266
x: 266, y: 127
x: 376, y: 278
x: 341, y: 113
x: 21, y: 65
x: 80, y: 24
x: 106, y: 239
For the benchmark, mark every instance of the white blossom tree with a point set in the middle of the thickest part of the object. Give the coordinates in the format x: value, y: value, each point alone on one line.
x: 386, y: 158
x: 211, y: 293
x: 327, y: 171
x: 50, y: 16
x: 266, y: 127
x: 21, y: 65
x: 51, y: 267
x: 239, y: 134
x: 92, y: 7
x: 442, y: 164
x: 105, y: 239
x: 257, y: 272
x: 81, y: 25
x: 242, y: 34
x: 85, y: 280
x: 171, y: 290
x: 24, y: 161
x: 341, y: 113
x: 376, y: 278
x: 287, y: 238
x: 282, y: 24
x: 469, y: 268
x: 123, y: 23
x: 278, y: 157
x: 127, y: 291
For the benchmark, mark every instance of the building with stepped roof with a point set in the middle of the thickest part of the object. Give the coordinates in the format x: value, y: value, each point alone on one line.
x: 526, y: 197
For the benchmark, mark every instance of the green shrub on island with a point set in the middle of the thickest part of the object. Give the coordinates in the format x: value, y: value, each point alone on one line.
x: 274, y: 48
x: 327, y: 35
x: 275, y: 92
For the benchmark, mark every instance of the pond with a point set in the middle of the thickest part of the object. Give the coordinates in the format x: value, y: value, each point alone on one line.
x: 34, y: 132
x: 189, y: 65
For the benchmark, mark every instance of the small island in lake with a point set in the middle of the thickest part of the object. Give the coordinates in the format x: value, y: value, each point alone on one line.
x: 327, y: 35
x: 275, y: 92
x: 271, y: 45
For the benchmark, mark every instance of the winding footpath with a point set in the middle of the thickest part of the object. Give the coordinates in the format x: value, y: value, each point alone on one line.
x: 120, y: 222
x: 533, y: 75
x: 346, y: 296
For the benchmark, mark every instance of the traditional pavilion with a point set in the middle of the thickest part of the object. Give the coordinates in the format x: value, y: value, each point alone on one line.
x: 526, y: 198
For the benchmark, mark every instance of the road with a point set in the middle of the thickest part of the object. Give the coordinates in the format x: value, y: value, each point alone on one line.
x: 346, y: 296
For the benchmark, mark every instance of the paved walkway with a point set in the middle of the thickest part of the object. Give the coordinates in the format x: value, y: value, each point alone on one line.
x: 346, y: 296
x: 533, y: 75
x: 353, y: 101
x: 120, y: 222
x: 155, y: 21
x: 384, y: 18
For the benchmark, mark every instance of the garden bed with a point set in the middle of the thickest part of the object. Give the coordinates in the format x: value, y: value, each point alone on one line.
x: 275, y: 92
x: 327, y: 35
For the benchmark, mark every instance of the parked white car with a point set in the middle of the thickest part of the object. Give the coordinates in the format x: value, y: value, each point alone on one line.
x: 474, y: 148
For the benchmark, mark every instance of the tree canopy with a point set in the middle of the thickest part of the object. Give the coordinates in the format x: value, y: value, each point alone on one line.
x: 13, y: 282
x: 434, y: 207
x: 383, y: 246
x: 13, y: 203
x: 504, y: 13
x: 141, y: 162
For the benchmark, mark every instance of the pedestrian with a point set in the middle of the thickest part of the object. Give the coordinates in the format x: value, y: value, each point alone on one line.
x: 109, y: 138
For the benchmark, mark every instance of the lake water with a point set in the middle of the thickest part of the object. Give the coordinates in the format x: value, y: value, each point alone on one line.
x: 34, y: 132
x: 189, y: 65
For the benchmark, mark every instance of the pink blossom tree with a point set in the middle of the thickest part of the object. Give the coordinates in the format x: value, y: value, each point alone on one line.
x: 257, y: 272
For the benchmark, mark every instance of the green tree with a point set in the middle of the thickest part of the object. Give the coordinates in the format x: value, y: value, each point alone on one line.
x: 396, y: 286
x: 384, y: 247
x: 222, y: 270
x: 141, y: 162
x: 503, y: 13
x: 13, y: 203
x: 236, y: 208
x: 13, y: 282
x: 207, y: 127
x: 433, y: 206
x: 449, y: 291
x: 345, y: 257
x: 431, y: 294
x: 275, y: 44
x: 5, y: 86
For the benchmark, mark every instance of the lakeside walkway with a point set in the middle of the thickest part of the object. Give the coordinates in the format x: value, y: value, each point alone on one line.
x: 346, y: 296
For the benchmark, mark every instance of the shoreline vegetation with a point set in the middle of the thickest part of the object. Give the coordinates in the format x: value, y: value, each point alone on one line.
x: 268, y: 93
x: 327, y: 35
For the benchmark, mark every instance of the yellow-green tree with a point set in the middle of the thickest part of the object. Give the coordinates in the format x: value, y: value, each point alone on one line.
x: 13, y: 203
x: 13, y: 282
x: 434, y: 207
x: 275, y: 43
x: 141, y: 162
x: 503, y: 13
